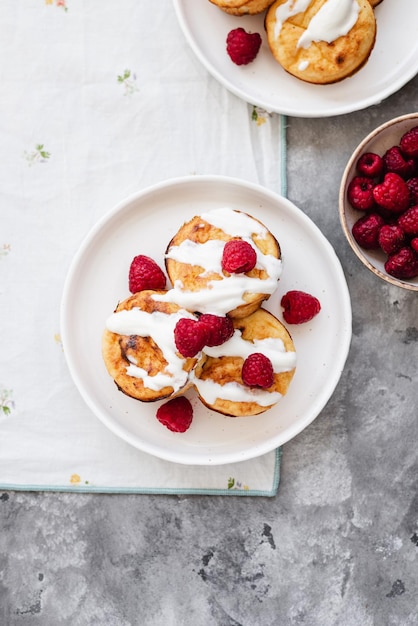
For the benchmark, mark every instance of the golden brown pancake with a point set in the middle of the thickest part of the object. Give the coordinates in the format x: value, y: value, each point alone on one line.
x: 242, y: 7
x: 124, y: 353
x: 219, y: 381
x: 256, y: 285
x: 293, y: 42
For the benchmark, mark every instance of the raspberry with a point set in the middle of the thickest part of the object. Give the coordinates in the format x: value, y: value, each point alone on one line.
x: 176, y: 414
x: 409, y: 142
x: 395, y: 161
x: 220, y: 329
x: 242, y: 47
x: 366, y: 230
x: 403, y: 264
x: 257, y: 371
x: 360, y: 193
x: 238, y: 257
x: 414, y: 244
x: 412, y: 185
x: 392, y: 194
x: 370, y: 165
x: 144, y: 273
x: 408, y: 221
x: 190, y: 336
x: 391, y: 237
x: 299, y: 307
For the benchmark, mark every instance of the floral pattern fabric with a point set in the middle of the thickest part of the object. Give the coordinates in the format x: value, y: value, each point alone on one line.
x: 94, y: 107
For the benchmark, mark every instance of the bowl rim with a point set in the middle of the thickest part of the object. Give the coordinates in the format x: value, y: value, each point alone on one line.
x: 398, y: 282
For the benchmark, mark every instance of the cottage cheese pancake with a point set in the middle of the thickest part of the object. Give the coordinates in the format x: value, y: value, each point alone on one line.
x: 219, y: 381
x: 194, y: 264
x: 321, y: 41
x: 139, y: 350
x: 242, y: 7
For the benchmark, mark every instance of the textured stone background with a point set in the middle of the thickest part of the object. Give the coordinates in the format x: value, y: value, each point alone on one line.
x: 338, y: 546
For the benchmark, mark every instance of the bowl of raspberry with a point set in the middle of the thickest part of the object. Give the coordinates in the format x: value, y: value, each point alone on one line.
x: 378, y: 201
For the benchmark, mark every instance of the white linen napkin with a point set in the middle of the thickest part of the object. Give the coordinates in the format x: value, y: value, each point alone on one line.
x: 99, y: 100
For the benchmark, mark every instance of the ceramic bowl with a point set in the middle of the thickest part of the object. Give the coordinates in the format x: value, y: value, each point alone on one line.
x: 378, y: 141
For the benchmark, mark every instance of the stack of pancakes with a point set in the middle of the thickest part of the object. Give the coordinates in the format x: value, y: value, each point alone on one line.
x: 138, y: 343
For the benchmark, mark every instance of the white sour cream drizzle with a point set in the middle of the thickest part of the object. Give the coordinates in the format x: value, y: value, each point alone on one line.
x: 211, y: 391
x: 334, y: 19
x: 159, y: 326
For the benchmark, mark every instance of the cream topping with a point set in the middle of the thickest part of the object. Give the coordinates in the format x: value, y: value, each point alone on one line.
x: 272, y: 347
x: 211, y: 391
x: 286, y: 10
x: 334, y: 19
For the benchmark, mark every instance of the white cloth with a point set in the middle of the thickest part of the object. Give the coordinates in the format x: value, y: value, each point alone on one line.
x: 99, y: 100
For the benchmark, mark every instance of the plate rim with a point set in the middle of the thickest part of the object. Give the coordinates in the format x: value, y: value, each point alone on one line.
x: 374, y: 99
x: 221, y: 458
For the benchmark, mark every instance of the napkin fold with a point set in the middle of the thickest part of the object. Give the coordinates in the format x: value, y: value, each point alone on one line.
x: 100, y: 101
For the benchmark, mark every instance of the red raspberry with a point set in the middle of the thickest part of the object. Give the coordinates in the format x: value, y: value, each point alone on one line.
x: 408, y: 221
x: 366, y: 230
x: 409, y: 142
x: 395, y: 161
x: 176, y: 414
x: 299, y: 307
x: 392, y: 194
x: 412, y: 184
x: 144, y: 273
x: 242, y: 47
x: 190, y: 336
x: 238, y: 257
x: 391, y: 238
x: 414, y: 244
x: 360, y: 193
x: 403, y: 264
x: 370, y: 165
x: 257, y: 371
x: 220, y: 328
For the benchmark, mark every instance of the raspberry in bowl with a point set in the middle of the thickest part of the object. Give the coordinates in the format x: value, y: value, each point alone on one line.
x: 378, y: 201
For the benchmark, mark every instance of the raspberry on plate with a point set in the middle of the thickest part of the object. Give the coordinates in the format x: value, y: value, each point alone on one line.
x: 299, y: 307
x: 220, y: 328
x: 190, y: 336
x: 238, y: 257
x: 366, y: 230
x: 391, y: 238
x: 370, y: 165
x: 176, y: 414
x: 403, y: 264
x: 392, y: 194
x: 395, y: 161
x: 144, y: 273
x: 409, y: 142
x: 408, y: 221
x: 257, y: 371
x: 242, y: 47
x: 360, y: 193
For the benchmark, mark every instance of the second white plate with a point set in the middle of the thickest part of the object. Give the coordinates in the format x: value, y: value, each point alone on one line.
x: 392, y: 63
x: 144, y: 224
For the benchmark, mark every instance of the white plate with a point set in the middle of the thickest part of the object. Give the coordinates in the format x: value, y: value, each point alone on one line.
x: 144, y: 224
x: 392, y: 63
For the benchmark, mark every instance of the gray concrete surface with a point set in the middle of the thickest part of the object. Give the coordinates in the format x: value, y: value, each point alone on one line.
x: 338, y: 546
